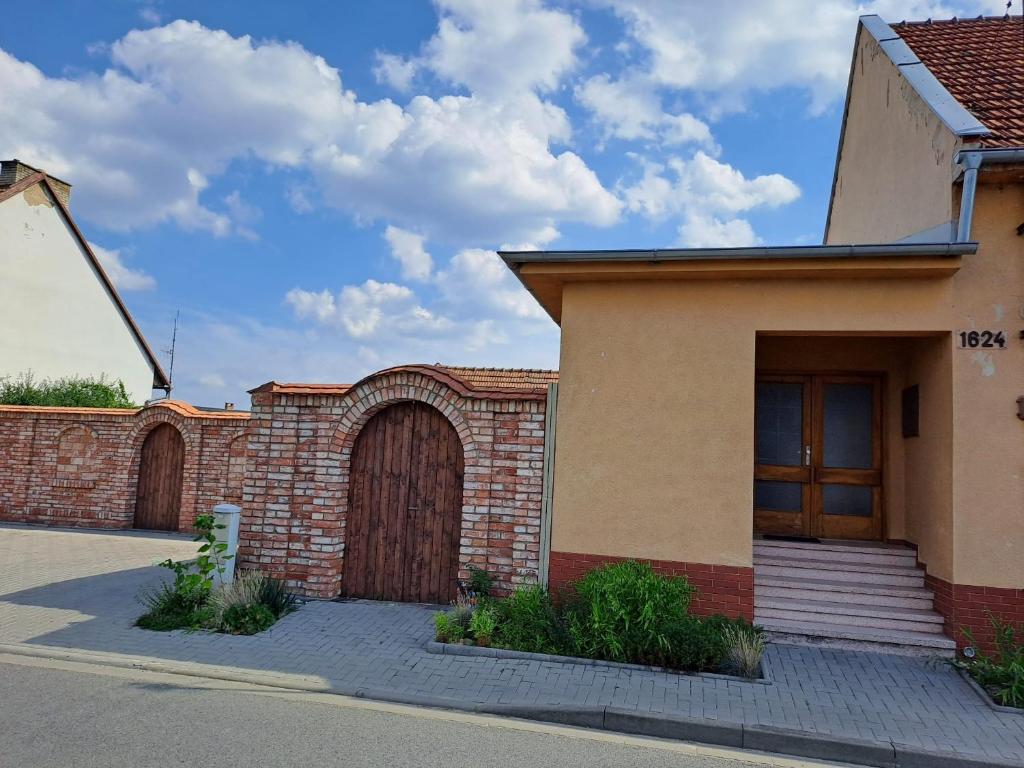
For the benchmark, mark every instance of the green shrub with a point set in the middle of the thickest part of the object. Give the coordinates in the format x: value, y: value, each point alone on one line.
x: 275, y: 595
x: 483, y: 624
x: 253, y: 588
x: 68, y: 392
x: 626, y: 612
x: 480, y: 582
x: 746, y: 646
x: 168, y: 608
x: 1002, y: 675
x: 247, y: 619
x: 447, y: 629
x: 527, y: 621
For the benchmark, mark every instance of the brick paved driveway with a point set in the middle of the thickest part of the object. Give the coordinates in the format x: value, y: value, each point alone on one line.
x: 77, y: 590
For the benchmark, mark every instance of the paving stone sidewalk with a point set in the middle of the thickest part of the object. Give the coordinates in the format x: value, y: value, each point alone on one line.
x: 78, y: 590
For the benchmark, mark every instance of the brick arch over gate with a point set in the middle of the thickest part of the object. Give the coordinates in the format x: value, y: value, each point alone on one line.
x: 383, y: 390
x: 297, y: 479
x: 146, y: 420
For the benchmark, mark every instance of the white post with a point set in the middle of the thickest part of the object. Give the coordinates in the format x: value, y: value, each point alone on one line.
x: 227, y: 515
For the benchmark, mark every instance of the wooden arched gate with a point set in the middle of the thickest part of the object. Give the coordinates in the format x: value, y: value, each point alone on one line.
x: 161, y: 467
x: 405, y: 507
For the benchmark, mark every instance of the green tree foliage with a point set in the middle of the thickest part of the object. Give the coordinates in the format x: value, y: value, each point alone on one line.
x: 68, y: 392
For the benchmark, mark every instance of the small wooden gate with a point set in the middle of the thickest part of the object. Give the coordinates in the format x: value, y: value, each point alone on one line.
x: 405, y: 507
x: 158, y: 497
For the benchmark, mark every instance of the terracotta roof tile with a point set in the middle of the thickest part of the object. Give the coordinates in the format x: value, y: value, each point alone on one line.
x: 981, y: 63
x: 502, y: 378
x: 526, y: 383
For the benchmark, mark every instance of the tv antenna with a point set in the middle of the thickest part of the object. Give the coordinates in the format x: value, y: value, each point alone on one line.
x: 170, y: 351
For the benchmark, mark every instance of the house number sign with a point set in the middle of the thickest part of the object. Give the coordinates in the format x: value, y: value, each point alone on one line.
x: 981, y: 339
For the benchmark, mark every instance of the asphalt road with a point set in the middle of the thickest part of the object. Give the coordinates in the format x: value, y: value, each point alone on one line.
x: 59, y: 714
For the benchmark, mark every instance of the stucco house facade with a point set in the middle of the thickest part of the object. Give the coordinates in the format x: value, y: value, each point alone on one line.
x: 60, y: 313
x: 827, y: 439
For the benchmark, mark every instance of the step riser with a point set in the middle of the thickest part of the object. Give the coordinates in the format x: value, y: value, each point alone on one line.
x: 858, y: 558
x: 827, y: 587
x: 853, y: 622
x: 896, y: 649
x: 781, y: 594
x: 862, y: 634
x: 831, y: 565
x: 810, y: 574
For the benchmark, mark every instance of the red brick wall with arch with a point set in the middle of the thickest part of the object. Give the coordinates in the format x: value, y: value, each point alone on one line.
x: 79, y: 466
x: 297, y: 476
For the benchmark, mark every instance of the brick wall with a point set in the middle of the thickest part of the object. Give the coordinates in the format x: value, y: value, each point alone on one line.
x: 79, y: 466
x: 963, y: 605
x: 296, y: 481
x: 724, y: 589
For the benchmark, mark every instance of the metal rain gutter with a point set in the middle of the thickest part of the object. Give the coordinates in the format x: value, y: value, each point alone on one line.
x: 726, y: 254
x: 972, y: 160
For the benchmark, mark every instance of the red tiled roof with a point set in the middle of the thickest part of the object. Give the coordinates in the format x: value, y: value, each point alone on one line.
x: 981, y: 63
x: 504, y: 383
x: 502, y: 378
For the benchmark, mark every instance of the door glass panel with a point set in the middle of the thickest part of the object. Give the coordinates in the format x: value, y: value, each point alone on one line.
x: 779, y: 423
x: 848, y: 423
x: 847, y: 500
x: 778, y: 495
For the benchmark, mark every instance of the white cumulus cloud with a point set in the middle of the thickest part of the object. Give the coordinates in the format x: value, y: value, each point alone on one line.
x: 142, y: 140
x: 122, y: 276
x: 407, y: 248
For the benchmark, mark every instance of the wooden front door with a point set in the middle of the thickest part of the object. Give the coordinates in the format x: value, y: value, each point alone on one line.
x: 158, y: 495
x: 818, y: 456
x: 405, y: 507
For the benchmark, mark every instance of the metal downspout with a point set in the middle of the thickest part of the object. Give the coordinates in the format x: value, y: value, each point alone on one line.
x: 971, y: 162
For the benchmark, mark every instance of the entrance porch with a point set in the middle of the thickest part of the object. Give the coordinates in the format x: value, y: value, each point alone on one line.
x: 850, y: 437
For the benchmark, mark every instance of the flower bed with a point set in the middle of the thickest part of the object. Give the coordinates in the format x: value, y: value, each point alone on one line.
x: 249, y: 604
x: 1000, y: 676
x: 623, y: 613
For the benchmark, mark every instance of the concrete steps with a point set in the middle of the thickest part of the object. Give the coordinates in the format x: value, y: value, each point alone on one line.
x: 820, y: 589
x: 853, y: 595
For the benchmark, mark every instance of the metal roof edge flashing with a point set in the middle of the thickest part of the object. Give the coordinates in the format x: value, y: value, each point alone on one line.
x: 945, y: 106
x: 874, y: 250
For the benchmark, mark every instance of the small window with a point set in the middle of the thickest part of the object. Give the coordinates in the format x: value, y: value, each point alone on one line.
x: 912, y: 411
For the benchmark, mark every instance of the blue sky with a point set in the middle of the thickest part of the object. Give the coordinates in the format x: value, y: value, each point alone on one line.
x: 319, y: 187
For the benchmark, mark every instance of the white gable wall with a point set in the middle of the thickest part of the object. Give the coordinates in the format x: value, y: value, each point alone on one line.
x: 56, y: 316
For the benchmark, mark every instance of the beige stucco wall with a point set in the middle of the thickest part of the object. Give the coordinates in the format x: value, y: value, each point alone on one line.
x: 928, y: 458
x: 656, y: 402
x: 988, y: 449
x: 655, y: 440
x: 56, y: 318
x: 896, y: 162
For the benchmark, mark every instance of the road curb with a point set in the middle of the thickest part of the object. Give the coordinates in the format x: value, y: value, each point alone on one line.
x: 457, y: 649
x: 718, y: 733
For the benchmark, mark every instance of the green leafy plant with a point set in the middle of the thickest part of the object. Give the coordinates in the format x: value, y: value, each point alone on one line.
x: 185, y: 603
x: 528, y: 621
x: 247, y: 619
x: 482, y: 625
x: 481, y: 582
x: 1001, y: 674
x: 194, y: 579
x: 627, y: 612
x: 169, y: 609
x: 275, y: 595
x: 68, y: 392
x: 447, y: 629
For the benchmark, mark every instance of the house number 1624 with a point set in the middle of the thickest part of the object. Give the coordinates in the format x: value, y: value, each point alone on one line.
x: 982, y: 339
